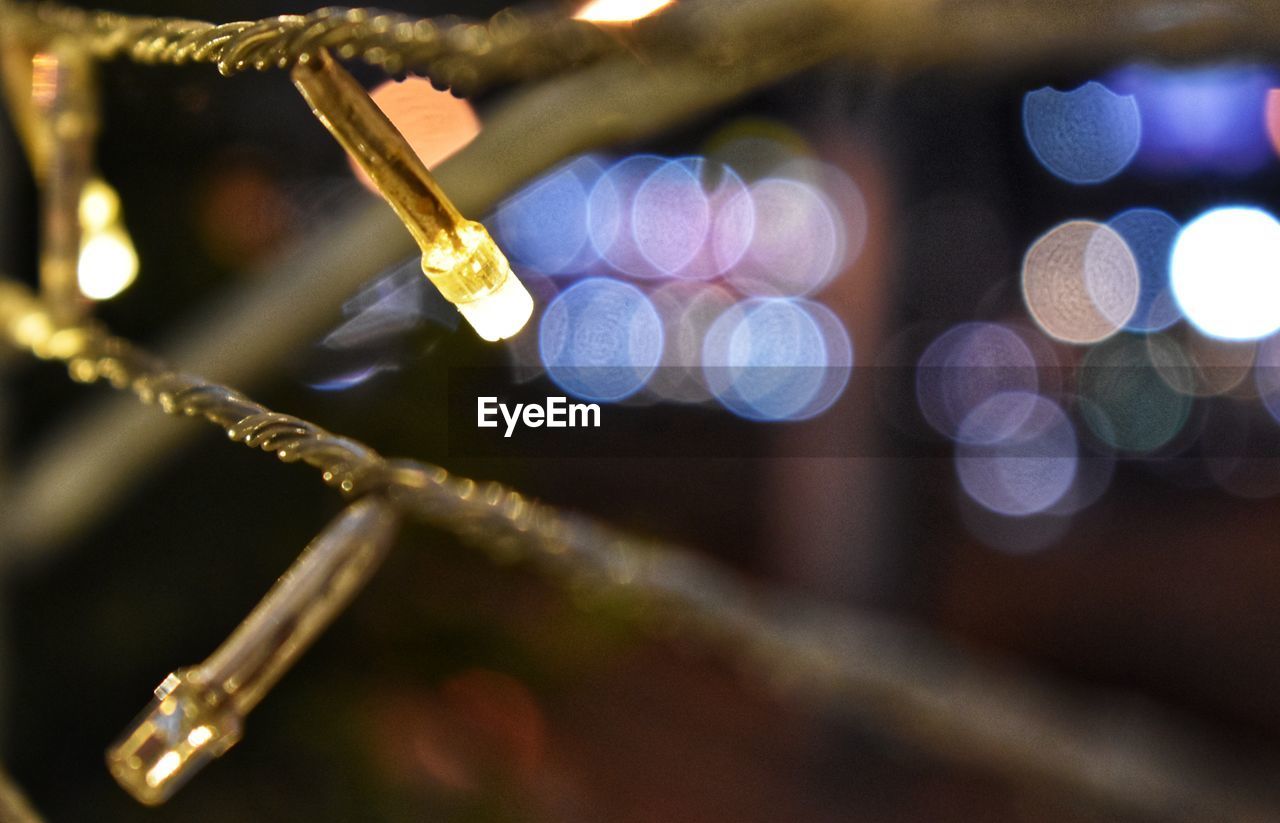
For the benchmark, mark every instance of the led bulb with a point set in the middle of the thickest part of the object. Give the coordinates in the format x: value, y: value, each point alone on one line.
x: 99, y: 205
x: 198, y: 712
x: 458, y: 255
x: 501, y: 313
x: 184, y: 728
x: 108, y: 263
x: 475, y: 276
x: 619, y: 11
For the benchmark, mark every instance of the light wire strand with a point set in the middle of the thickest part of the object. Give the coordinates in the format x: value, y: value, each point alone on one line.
x: 455, y: 53
x: 885, y: 675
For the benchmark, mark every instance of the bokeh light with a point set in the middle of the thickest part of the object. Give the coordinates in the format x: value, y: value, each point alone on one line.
x: 688, y: 309
x: 798, y: 243
x: 435, y: 123
x: 1273, y: 118
x: 965, y: 367
x: 1094, y: 471
x: 756, y: 147
x: 1203, y: 118
x: 1087, y: 135
x: 1266, y: 375
x: 610, y: 214
x: 777, y: 359
x: 600, y: 339
x: 733, y: 220
x: 1150, y: 235
x: 545, y: 225
x: 620, y: 11
x: 1080, y: 282
x: 244, y: 213
x: 1225, y: 273
x: 1126, y: 402
x: 1200, y: 366
x: 1017, y: 454
x: 671, y: 216
x: 108, y: 263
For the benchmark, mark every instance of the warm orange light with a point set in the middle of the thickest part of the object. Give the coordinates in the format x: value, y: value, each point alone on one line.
x: 620, y: 11
x: 1273, y: 118
x: 435, y: 123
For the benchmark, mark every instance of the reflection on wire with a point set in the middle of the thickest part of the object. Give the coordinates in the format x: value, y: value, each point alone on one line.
x: 883, y: 675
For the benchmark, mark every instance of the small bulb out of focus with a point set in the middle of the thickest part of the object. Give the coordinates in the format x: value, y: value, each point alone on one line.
x: 108, y: 262
x: 620, y: 11
x: 458, y: 255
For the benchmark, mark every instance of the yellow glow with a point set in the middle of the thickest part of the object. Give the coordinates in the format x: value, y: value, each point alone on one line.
x: 501, y: 314
x: 199, y: 736
x: 108, y: 263
x: 458, y: 255
x: 620, y: 11
x: 163, y: 769
x: 99, y: 206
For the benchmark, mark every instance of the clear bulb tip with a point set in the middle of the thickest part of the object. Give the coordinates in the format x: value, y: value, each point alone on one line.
x: 501, y: 313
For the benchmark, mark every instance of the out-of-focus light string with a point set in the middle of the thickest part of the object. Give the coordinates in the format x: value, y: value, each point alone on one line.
x: 64, y: 102
x: 455, y: 53
x: 1120, y: 289
x: 871, y: 670
x: 458, y: 256
x: 86, y: 251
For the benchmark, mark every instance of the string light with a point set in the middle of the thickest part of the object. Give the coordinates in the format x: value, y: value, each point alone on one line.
x: 108, y: 262
x: 65, y: 108
x: 620, y: 11
x: 198, y: 713
x: 458, y: 256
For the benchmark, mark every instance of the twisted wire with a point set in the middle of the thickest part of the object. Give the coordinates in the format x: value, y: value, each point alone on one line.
x: 455, y: 53
x: 883, y: 674
x: 487, y: 513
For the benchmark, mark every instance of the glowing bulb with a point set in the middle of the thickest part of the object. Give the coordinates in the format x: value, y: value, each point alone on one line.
x: 1225, y: 275
x: 108, y: 263
x: 458, y: 256
x: 501, y: 313
x: 620, y: 11
x: 199, y: 736
x: 164, y: 767
x: 99, y: 206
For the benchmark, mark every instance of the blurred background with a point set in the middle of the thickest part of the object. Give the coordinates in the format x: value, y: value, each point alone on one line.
x: 992, y: 355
